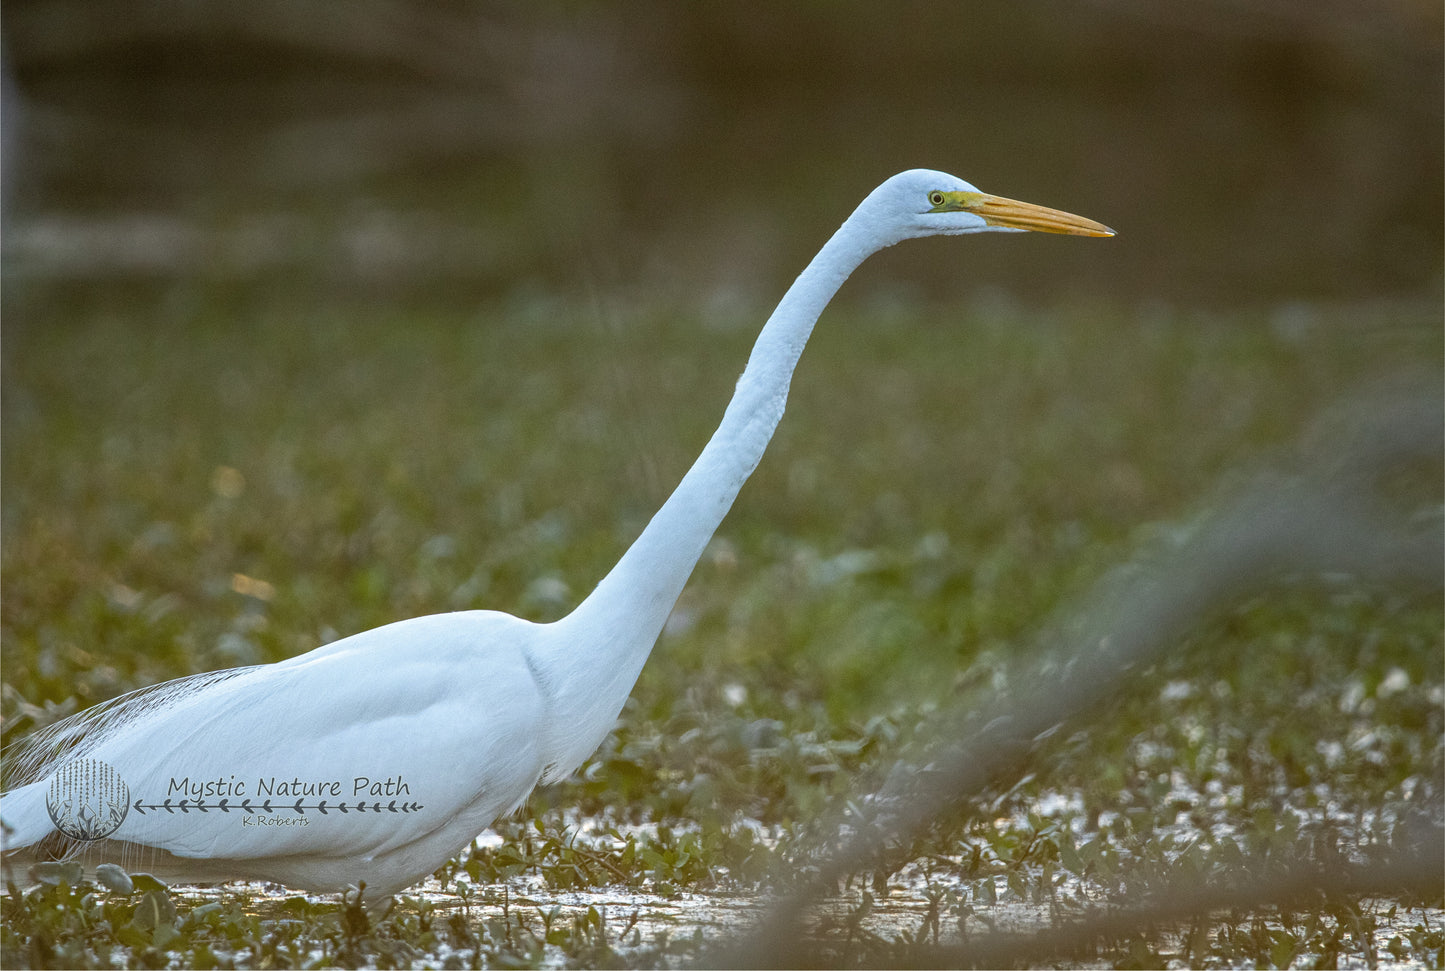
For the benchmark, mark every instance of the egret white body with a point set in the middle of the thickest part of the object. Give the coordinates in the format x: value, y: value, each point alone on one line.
x: 379, y: 757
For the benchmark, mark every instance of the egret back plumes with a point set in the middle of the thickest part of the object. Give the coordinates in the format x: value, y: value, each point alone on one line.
x: 379, y: 757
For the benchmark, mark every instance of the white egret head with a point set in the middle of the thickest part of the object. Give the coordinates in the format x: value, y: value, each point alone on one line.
x: 923, y: 202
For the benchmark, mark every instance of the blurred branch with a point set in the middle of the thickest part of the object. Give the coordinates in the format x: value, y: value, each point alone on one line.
x: 1413, y: 871
x: 1327, y: 518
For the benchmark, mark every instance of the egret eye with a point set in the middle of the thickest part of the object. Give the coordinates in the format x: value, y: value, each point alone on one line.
x: 935, y: 197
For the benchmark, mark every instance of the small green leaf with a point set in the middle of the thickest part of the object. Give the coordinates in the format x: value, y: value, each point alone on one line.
x: 131, y: 937
x: 162, y: 936
x: 154, y: 909
x: 115, y: 879
x: 1069, y: 858
x: 145, y: 883
x: 1283, y: 951
x: 55, y: 873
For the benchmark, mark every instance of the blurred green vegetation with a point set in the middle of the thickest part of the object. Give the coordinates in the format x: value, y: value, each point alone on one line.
x: 942, y: 478
x: 1247, y: 152
x: 226, y: 478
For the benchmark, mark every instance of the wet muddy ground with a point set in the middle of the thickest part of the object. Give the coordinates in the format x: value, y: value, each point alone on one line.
x: 642, y: 923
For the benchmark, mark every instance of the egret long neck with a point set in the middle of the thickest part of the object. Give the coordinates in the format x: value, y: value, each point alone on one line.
x: 603, y: 644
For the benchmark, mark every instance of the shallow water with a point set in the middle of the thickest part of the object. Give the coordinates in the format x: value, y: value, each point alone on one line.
x: 637, y: 921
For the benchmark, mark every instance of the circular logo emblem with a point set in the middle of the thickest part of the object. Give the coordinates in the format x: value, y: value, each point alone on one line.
x: 87, y: 799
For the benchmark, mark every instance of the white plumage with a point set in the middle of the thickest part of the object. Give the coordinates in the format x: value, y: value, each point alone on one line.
x: 382, y: 755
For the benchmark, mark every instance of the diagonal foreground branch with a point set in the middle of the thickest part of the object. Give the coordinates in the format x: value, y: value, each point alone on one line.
x: 1329, y: 517
x: 1414, y: 871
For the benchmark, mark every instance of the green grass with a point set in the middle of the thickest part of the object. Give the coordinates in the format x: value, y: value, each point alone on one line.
x: 198, y: 480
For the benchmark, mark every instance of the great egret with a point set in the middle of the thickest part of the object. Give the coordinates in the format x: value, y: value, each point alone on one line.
x: 380, y: 756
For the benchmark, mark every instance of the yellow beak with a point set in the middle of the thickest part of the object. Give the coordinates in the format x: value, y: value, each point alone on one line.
x: 1012, y: 214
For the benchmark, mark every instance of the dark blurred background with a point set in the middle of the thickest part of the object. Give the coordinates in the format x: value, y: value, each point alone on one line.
x: 1248, y: 151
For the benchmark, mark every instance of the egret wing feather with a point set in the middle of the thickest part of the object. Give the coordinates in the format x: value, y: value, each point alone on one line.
x: 34, y: 757
x: 318, y: 756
